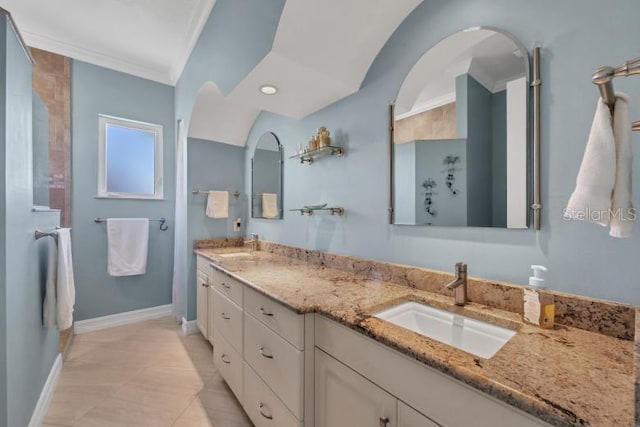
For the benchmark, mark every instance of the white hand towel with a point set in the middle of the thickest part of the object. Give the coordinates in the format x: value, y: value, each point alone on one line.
x: 591, y: 198
x: 66, y: 293
x: 128, y: 241
x: 270, y: 205
x: 621, y: 206
x: 49, y: 308
x: 218, y: 204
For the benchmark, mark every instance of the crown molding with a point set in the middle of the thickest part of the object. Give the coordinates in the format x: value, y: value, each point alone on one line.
x: 429, y: 105
x: 96, y: 58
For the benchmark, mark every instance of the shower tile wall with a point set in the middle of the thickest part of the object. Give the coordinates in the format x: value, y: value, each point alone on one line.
x: 52, y: 81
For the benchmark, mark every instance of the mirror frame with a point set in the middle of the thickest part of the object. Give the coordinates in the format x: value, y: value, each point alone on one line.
x: 533, y: 116
x: 280, y: 178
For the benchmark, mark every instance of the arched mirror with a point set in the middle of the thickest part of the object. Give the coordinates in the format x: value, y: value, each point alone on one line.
x: 266, y: 178
x: 459, y: 145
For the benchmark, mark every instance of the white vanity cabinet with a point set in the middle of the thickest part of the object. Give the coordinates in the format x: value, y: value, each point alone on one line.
x: 274, y: 355
x: 202, y: 295
x: 424, y: 396
x: 259, y: 351
x: 343, y: 398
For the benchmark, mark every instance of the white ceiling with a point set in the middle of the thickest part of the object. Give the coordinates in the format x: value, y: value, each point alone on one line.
x: 147, y: 38
x: 485, y: 54
x: 215, y: 118
x: 321, y: 53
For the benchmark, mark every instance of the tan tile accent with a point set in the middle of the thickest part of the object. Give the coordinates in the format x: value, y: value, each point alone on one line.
x: 145, y: 374
x: 52, y: 82
x: 438, y: 123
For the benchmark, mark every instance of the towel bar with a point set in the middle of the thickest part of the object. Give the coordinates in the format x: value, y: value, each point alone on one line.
x: 235, y: 194
x: 163, y: 222
x: 40, y: 234
x: 603, y: 77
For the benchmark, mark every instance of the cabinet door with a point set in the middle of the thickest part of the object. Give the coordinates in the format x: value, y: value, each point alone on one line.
x: 409, y: 417
x: 344, y: 398
x: 202, y: 303
x: 210, y: 314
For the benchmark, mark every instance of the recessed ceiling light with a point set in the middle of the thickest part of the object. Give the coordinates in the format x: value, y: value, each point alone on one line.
x: 268, y: 89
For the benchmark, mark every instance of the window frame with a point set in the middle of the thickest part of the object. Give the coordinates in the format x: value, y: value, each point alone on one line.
x: 157, y: 130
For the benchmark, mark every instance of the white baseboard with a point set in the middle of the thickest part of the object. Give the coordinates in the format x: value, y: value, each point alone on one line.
x: 40, y: 411
x: 111, y: 321
x: 189, y: 327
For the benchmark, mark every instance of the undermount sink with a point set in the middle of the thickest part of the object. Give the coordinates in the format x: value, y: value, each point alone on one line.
x: 235, y: 254
x: 473, y: 336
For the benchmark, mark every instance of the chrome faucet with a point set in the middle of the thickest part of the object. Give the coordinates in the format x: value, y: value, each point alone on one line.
x: 254, y: 242
x: 459, y: 284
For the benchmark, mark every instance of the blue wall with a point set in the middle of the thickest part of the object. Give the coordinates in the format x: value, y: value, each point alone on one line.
x: 28, y: 349
x: 499, y: 159
x: 95, y: 91
x: 451, y: 209
x: 478, y: 159
x: 212, y: 166
x: 574, y: 252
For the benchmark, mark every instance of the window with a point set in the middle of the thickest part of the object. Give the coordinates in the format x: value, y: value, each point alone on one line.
x: 130, y: 159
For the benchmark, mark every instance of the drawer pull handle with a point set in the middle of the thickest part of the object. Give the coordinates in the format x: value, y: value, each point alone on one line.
x: 261, y: 407
x: 204, y: 285
x: 225, y: 358
x: 264, y: 312
x: 384, y: 422
x: 265, y: 355
x: 224, y: 285
x: 225, y: 317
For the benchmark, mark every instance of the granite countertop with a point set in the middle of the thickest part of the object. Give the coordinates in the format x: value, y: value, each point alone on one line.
x: 565, y: 376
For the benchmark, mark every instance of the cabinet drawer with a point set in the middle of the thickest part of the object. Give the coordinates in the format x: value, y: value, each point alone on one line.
x: 229, y: 363
x: 409, y: 417
x: 202, y: 264
x: 227, y: 286
x: 227, y: 318
x: 281, y: 320
x: 278, y: 363
x: 262, y: 406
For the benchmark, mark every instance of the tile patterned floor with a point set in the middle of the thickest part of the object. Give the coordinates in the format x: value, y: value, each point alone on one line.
x: 142, y: 375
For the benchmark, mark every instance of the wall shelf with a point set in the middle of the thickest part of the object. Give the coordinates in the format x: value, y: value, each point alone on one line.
x: 329, y: 150
x: 309, y: 211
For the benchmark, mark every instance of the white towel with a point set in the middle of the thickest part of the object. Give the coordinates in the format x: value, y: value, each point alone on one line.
x: 49, y: 308
x: 591, y: 198
x: 66, y: 291
x: 603, y: 190
x: 218, y: 204
x: 128, y: 241
x: 623, y: 214
x: 270, y: 205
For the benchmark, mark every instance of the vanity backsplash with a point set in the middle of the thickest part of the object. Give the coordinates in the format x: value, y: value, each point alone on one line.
x: 604, y: 317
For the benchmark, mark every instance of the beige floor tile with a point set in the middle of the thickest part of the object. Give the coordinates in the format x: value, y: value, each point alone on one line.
x: 114, y: 412
x: 171, y: 379
x: 72, y: 401
x: 141, y: 375
x: 200, y: 415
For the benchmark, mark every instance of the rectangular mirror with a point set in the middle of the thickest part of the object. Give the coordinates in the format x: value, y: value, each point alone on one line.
x: 266, y: 178
x: 459, y: 144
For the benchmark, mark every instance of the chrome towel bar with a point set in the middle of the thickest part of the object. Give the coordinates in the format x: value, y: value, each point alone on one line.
x: 40, y: 234
x: 235, y: 194
x: 603, y: 77
x: 162, y: 220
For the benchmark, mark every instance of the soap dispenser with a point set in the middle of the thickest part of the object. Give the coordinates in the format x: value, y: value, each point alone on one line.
x: 539, y: 306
